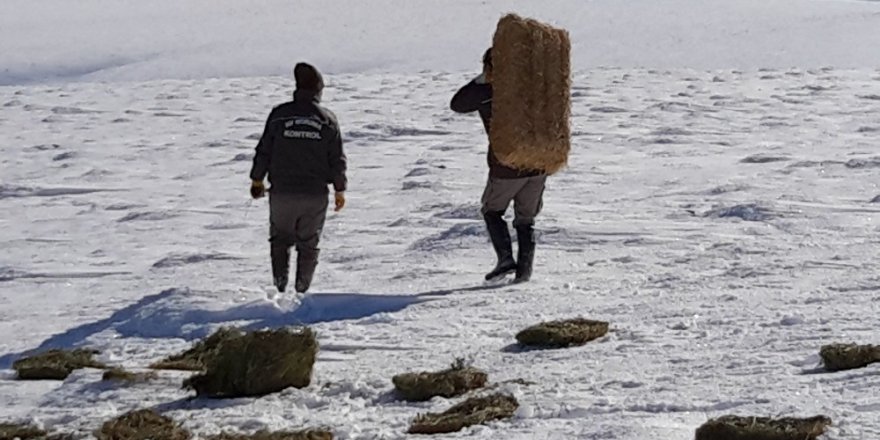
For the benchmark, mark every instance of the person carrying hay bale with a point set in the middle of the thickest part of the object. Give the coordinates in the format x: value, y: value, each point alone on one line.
x: 526, y: 85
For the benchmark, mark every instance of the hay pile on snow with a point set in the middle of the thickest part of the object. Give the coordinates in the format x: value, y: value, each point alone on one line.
x: 762, y: 428
x: 55, y: 364
x: 560, y: 334
x: 258, y: 363
x: 473, y: 411
x: 454, y: 381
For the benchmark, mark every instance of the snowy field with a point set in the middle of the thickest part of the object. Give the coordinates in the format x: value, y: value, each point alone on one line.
x: 721, y: 210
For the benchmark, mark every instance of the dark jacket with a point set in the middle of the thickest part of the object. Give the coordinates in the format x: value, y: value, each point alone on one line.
x: 301, y: 148
x: 476, y: 96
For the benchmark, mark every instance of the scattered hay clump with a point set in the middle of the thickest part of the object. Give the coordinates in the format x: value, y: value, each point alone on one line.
x: 196, y: 358
x: 838, y: 357
x: 258, y: 363
x: 455, y: 381
x: 561, y: 334
x: 307, y: 434
x: 11, y: 431
x: 143, y: 424
x: 474, y: 411
x: 762, y: 428
x: 117, y: 374
x: 55, y: 364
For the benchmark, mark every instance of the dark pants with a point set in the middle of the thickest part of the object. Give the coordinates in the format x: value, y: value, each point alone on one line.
x: 526, y: 193
x: 296, y: 220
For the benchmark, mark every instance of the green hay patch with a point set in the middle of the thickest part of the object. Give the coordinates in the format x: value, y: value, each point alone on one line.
x: 561, y: 334
x: 11, y: 431
x: 308, y: 434
x: 143, y: 424
x: 121, y: 375
x: 455, y: 381
x: 197, y: 357
x: 258, y: 363
x: 762, y: 428
x: 55, y: 364
x: 838, y: 357
x: 474, y: 411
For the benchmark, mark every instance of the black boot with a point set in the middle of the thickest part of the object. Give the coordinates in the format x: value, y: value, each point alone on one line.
x: 500, y: 236
x: 280, y: 265
x: 306, y: 261
x: 525, y: 236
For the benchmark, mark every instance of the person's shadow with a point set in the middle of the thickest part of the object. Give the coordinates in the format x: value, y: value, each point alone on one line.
x: 166, y: 315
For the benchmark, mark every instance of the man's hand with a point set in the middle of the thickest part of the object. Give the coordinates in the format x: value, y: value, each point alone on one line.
x: 340, y: 201
x: 257, y: 189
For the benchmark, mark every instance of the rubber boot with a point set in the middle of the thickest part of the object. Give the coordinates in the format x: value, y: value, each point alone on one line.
x: 500, y: 236
x: 525, y: 237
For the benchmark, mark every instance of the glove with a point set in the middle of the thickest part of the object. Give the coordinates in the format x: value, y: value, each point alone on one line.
x: 340, y: 201
x: 257, y: 189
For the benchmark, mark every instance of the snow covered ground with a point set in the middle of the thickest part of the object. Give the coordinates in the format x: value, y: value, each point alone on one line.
x: 56, y: 40
x: 724, y: 219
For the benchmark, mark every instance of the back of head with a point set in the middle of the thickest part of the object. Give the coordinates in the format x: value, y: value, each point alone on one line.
x: 308, y: 78
x: 487, y: 58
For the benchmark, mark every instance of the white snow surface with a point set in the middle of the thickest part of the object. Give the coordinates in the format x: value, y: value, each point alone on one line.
x: 723, y: 218
x: 58, y: 40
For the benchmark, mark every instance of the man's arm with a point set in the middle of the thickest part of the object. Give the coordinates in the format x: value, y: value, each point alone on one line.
x: 263, y: 153
x: 338, y: 163
x: 470, y: 97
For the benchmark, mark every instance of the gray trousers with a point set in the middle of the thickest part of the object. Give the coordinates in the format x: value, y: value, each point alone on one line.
x: 297, y: 220
x: 526, y: 193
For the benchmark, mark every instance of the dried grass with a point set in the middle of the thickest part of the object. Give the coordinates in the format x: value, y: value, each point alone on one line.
x: 838, y: 357
x: 117, y: 374
x: 762, y: 428
x: 531, y: 102
x: 196, y: 358
x: 143, y: 424
x: 258, y: 363
x: 55, y: 364
x: 473, y: 411
x: 560, y: 334
x: 454, y: 381
x: 11, y: 431
x: 308, y: 434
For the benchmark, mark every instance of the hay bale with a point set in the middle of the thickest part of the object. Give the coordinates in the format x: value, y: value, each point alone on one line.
x: 144, y: 424
x: 11, y: 431
x: 55, y: 364
x: 837, y: 357
x: 531, y: 101
x: 455, y: 381
x: 258, y: 363
x: 762, y: 428
x: 474, y: 411
x: 560, y: 334
x: 196, y: 358
x: 308, y: 434
x: 117, y: 374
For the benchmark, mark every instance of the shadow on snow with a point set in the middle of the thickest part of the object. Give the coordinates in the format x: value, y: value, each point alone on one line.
x: 176, y: 313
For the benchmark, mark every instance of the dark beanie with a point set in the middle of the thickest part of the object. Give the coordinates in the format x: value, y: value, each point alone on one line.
x: 307, y: 77
x: 487, y: 57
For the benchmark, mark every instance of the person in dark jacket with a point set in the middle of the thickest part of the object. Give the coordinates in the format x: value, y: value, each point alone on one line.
x: 301, y: 151
x: 524, y: 187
